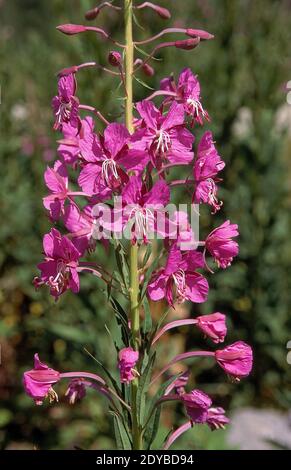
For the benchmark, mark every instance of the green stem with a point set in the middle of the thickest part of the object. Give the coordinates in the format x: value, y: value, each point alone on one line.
x: 134, y: 281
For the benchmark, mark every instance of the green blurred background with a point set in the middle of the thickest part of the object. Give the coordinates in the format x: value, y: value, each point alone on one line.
x: 244, y: 74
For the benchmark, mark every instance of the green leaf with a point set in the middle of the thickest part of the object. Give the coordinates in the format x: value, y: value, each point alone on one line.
x: 152, y: 428
x: 141, y: 82
x: 121, y: 434
x: 148, y: 275
x: 147, y: 323
x: 121, y: 263
x: 143, y: 387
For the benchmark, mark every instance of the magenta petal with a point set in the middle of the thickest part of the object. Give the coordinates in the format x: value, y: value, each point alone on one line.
x: 156, y: 288
x: 196, y: 287
x: 116, y: 136
x: 149, y: 113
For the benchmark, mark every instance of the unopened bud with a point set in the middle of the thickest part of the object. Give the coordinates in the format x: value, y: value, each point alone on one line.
x: 71, y: 29
x: 114, y: 58
x: 92, y: 14
x: 187, y: 44
x: 148, y: 70
x: 162, y: 12
x: 194, y: 33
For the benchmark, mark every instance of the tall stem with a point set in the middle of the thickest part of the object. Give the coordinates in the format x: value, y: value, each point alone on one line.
x: 134, y: 282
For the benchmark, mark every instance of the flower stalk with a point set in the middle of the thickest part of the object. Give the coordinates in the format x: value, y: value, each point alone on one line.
x: 134, y: 281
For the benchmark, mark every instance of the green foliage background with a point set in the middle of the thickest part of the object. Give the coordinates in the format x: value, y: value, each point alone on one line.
x: 243, y: 74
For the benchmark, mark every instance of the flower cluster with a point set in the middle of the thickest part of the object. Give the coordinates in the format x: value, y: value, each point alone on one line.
x: 102, y: 162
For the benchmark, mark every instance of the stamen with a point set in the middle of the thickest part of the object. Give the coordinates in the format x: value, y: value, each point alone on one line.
x: 212, y: 199
x: 180, y: 282
x: 142, y: 218
x: 197, y: 109
x: 163, y: 141
x: 109, y: 169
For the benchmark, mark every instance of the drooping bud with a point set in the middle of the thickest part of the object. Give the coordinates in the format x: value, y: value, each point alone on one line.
x: 90, y: 15
x: 199, y: 33
x: 71, y: 29
x: 148, y: 70
x: 187, y: 44
x: 114, y: 58
x: 161, y: 11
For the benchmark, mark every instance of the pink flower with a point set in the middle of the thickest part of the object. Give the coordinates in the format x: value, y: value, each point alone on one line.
x: 213, y: 326
x: 220, y: 245
x: 59, y: 268
x: 127, y: 361
x: 70, y: 146
x: 206, y: 168
x: 107, y: 161
x: 38, y: 382
x: 163, y: 136
x: 178, y: 279
x: 236, y: 359
x: 56, y: 179
x: 65, y: 105
x: 197, y: 404
x: 187, y: 92
x: 142, y: 209
x: 216, y: 418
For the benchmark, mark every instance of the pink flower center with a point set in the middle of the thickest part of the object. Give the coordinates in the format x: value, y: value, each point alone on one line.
x: 64, y: 112
x: 58, y: 282
x: 142, y: 218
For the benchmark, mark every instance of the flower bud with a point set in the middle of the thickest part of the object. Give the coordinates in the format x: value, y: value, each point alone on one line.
x: 187, y: 44
x: 114, y: 58
x: 72, y: 29
x: 162, y: 12
x: 194, y: 33
x: 92, y: 14
x: 148, y: 70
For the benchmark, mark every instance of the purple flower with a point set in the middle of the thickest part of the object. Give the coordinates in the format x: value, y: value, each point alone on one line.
x: 65, y: 105
x: 144, y: 211
x: 216, y: 418
x: 107, y: 161
x: 38, y: 382
x: 59, y: 268
x: 163, y: 136
x: 206, y: 168
x: 213, y: 326
x: 186, y: 92
x: 178, y: 279
x: 56, y: 179
x: 236, y: 359
x: 197, y: 404
x: 220, y: 245
x: 127, y: 361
